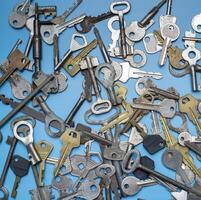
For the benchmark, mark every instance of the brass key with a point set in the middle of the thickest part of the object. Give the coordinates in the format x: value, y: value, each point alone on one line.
x: 189, y: 105
x: 72, y: 64
x: 70, y: 139
x: 172, y: 143
x: 44, y: 149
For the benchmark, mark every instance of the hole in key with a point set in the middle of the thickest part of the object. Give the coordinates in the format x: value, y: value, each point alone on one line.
x: 147, y: 39
x: 58, y: 179
x: 199, y: 26
x: 43, y: 145
x: 171, y: 27
x: 23, y: 60
x: 25, y: 93
x: 132, y: 34
x: 182, y: 138
x: 46, y: 34
x: 191, y: 54
x: 170, y: 155
x: 126, y: 185
x: 16, y: 159
x: 141, y: 85
x: 120, y: 7
x: 138, y: 58
x: 93, y: 188
x: 54, y: 129
x: 70, y: 67
x: 73, y: 134
x: 172, y: 109
x: 81, y: 166
x: 114, y: 155
x: 115, y: 25
x: 15, y: 22
x: 185, y: 100
x: 79, y: 40
x: 182, y: 62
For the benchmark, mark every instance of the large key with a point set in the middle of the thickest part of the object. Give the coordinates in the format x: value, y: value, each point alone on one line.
x: 48, y: 31
x: 44, y: 149
x: 20, y: 167
x: 27, y: 140
x: 166, y: 108
x: 121, y: 23
x: 125, y: 72
x: 70, y: 139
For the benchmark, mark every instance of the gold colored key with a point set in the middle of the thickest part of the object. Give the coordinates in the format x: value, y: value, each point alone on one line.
x: 44, y: 149
x: 72, y: 64
x: 172, y: 142
x: 70, y: 139
x: 189, y: 105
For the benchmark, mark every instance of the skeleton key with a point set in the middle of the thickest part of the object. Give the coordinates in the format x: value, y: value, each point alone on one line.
x: 88, y: 22
x: 20, y: 167
x: 48, y: 31
x: 121, y: 13
x: 172, y: 143
x: 61, y: 19
x: 72, y: 64
x: 17, y: 61
x: 70, y: 139
x: 189, y: 105
x: 74, y: 46
x: 44, y: 149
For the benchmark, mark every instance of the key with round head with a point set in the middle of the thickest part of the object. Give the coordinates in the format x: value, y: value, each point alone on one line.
x: 136, y: 154
x: 173, y: 159
x: 20, y: 167
x: 120, y: 13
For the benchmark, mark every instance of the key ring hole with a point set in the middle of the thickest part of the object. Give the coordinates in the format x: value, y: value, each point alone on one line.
x: 138, y: 58
x: 46, y: 34
x: 93, y: 188
x: 147, y: 39
x: 15, y: 21
x: 43, y: 145
x: 52, y: 126
x: 126, y: 186
x: 199, y: 26
x: 192, y: 54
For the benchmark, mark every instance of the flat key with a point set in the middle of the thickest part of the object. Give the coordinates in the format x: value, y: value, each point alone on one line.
x: 44, y: 149
x: 70, y: 139
x: 166, y: 108
x: 20, y: 167
x: 170, y: 32
x: 173, y: 159
x: 130, y: 72
x: 121, y: 13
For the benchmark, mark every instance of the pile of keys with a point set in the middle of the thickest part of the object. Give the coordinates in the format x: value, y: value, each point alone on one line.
x: 114, y: 169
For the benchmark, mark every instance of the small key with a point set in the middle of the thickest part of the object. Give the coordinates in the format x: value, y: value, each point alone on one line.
x: 48, y: 31
x: 20, y: 167
x: 173, y: 159
x: 70, y: 139
x: 74, y: 46
x: 166, y: 108
x: 27, y: 140
x: 121, y: 13
x: 130, y: 72
x: 44, y: 149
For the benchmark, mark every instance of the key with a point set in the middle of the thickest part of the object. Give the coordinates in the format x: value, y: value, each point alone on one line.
x: 20, y: 167
x: 87, y: 190
x: 61, y: 19
x: 44, y: 149
x: 27, y: 140
x: 50, y: 116
x: 136, y: 31
x: 196, y: 23
x: 173, y: 159
x: 48, y: 31
x: 121, y: 13
x: 130, y: 72
x: 131, y: 185
x: 189, y: 105
x: 17, y: 61
x: 74, y: 46
x: 101, y: 105
x: 70, y: 139
x: 166, y: 108
x: 88, y: 22
x: 137, y: 165
x: 172, y: 142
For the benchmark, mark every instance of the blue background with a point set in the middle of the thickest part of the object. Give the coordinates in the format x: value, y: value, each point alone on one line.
x: 63, y: 102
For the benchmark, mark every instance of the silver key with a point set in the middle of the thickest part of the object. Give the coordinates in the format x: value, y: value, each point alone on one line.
x: 74, y: 46
x: 196, y: 23
x: 166, y: 108
x: 48, y: 31
x: 121, y: 13
x: 173, y: 159
x: 27, y: 140
x: 170, y: 32
x: 130, y: 72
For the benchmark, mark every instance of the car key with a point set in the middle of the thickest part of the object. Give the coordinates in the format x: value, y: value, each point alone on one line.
x: 20, y: 167
x: 121, y: 13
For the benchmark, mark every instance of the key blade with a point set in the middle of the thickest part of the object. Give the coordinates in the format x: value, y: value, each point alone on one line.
x: 15, y: 186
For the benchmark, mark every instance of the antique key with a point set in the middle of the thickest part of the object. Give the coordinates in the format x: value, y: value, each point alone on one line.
x: 70, y: 139
x: 20, y: 167
x: 44, y: 149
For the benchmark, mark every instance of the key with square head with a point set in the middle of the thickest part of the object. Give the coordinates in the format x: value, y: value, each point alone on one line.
x: 48, y: 31
x: 70, y: 139
x: 189, y: 105
x: 20, y: 167
x: 173, y: 159
x: 121, y: 13
x: 27, y: 140
x: 44, y: 149
x: 135, y: 154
